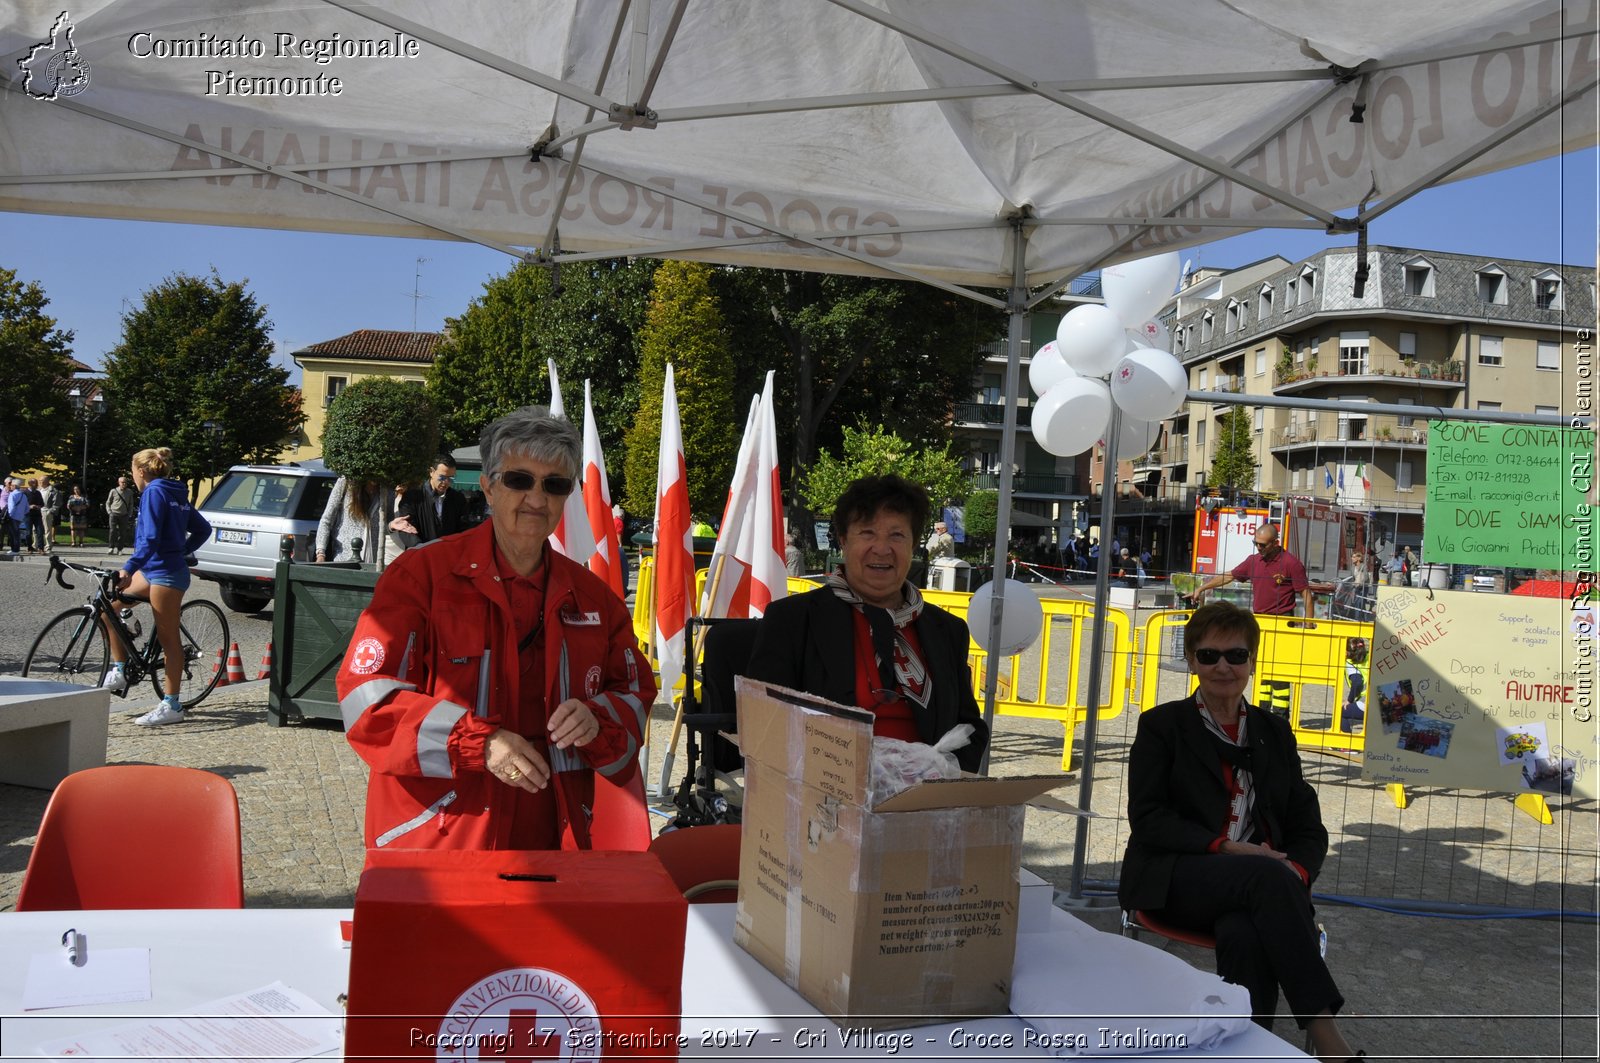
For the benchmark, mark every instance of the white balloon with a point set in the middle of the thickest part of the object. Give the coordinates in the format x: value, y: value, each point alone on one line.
x: 1090, y: 339
x: 1047, y: 368
x: 1149, y: 384
x: 1135, y: 437
x: 1021, y: 619
x: 1151, y: 334
x: 1071, y: 416
x: 1136, y: 290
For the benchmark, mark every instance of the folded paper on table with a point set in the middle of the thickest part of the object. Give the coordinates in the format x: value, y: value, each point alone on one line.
x: 1157, y: 1003
x: 273, y: 1022
x: 109, y: 976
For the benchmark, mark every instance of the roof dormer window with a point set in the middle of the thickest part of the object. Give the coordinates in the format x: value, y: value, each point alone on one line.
x: 1547, y: 290
x: 1492, y: 285
x: 1419, y: 278
x: 1264, y: 302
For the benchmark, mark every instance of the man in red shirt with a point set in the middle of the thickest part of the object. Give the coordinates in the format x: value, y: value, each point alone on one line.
x: 1276, y: 577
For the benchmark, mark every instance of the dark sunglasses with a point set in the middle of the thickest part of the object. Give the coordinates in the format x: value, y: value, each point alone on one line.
x: 887, y: 697
x: 1235, y: 655
x: 517, y: 480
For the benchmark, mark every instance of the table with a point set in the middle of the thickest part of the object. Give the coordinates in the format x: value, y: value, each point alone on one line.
x: 200, y: 956
x: 48, y: 730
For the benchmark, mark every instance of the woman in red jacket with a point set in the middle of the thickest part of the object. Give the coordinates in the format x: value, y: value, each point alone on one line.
x: 492, y: 679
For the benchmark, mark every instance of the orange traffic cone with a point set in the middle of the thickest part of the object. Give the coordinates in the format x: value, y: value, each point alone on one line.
x: 266, y: 663
x: 220, y: 670
x: 235, y: 665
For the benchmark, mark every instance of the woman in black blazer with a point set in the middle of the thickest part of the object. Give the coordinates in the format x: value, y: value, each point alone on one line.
x: 1226, y: 834
x: 867, y: 638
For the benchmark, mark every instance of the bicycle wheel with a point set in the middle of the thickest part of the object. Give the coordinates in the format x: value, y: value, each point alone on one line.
x: 72, y: 648
x: 203, y: 630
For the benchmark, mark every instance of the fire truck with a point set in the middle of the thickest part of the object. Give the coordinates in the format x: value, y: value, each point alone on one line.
x: 1330, y: 541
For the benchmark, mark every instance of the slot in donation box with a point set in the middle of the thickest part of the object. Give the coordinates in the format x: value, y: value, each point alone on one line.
x: 888, y: 913
x: 515, y: 956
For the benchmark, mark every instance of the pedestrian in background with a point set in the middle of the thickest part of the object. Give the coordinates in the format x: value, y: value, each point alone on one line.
x: 77, y: 515
x: 16, y: 516
x: 35, y: 530
x: 434, y: 509
x: 354, y: 511
x: 53, y: 500
x: 122, y: 507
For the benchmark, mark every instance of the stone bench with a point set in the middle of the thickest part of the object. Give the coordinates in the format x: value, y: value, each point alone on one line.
x: 49, y: 730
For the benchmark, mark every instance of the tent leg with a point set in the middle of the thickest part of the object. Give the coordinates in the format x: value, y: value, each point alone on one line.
x: 1016, y: 320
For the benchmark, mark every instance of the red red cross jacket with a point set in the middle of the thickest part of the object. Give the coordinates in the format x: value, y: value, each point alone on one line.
x: 432, y: 671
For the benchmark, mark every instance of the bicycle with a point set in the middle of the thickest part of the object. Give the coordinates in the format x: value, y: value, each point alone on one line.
x: 73, y: 648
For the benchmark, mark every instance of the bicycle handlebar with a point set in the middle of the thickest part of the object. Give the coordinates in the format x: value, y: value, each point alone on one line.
x: 59, y: 569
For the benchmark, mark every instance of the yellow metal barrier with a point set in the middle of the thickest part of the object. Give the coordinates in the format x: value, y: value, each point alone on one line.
x: 1029, y: 688
x: 1296, y: 653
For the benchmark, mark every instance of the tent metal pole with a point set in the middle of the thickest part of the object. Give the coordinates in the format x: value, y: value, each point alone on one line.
x: 1016, y: 321
x: 1097, y: 645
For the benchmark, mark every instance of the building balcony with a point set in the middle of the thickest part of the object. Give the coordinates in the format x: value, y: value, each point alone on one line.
x: 1370, y: 432
x: 1048, y: 485
x: 1233, y: 384
x: 981, y: 415
x: 1443, y: 375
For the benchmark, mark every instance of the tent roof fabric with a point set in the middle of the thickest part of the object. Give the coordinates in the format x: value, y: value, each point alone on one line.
x: 918, y: 138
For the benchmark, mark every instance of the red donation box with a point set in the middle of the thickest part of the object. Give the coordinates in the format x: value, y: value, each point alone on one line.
x: 515, y: 956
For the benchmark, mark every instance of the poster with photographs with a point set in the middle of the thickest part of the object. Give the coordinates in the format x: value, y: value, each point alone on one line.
x: 1483, y: 691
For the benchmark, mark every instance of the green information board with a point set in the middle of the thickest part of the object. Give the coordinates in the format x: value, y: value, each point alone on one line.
x: 1511, y: 496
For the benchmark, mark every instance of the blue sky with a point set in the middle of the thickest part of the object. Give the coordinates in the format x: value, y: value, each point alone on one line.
x: 318, y: 286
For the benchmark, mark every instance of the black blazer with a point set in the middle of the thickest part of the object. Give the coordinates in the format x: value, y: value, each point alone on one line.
x: 417, y: 503
x: 807, y: 643
x: 1178, y: 797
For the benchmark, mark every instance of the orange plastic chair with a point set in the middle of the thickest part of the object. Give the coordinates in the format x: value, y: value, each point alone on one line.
x: 621, y: 817
x: 136, y: 836
x: 703, y: 861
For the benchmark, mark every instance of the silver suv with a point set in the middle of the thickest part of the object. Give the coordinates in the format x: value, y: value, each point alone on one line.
x: 252, y: 510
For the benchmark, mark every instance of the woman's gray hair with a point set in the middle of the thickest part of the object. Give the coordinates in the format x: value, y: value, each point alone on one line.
x: 533, y: 432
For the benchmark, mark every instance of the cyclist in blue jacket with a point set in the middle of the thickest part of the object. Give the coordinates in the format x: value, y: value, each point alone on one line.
x: 168, y: 530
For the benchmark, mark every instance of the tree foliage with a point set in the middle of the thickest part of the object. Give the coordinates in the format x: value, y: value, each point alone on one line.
x: 852, y: 349
x: 982, y: 516
x: 199, y: 350
x: 493, y: 356
x: 381, y: 429
x: 684, y: 326
x: 37, y: 361
x: 873, y: 451
x: 1233, y: 465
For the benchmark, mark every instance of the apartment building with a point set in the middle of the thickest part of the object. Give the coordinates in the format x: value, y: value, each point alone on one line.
x: 1427, y: 328
x: 328, y: 367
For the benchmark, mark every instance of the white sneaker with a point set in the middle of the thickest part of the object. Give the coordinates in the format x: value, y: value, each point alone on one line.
x: 162, y: 714
x: 115, y: 680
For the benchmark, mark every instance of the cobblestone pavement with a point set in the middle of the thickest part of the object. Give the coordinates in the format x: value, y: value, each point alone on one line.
x: 1424, y: 987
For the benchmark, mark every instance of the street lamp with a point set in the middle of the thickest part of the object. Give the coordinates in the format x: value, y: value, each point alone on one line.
x: 88, y: 411
x: 213, y: 435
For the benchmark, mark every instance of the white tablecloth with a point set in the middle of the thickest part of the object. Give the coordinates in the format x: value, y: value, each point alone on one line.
x: 200, y: 956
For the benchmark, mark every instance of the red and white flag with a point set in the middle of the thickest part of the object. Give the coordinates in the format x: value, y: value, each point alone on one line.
x: 606, y: 561
x: 572, y: 535
x: 747, y: 569
x: 674, y: 564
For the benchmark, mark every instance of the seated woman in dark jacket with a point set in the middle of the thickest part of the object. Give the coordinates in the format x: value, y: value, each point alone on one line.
x: 1226, y: 834
x: 867, y: 638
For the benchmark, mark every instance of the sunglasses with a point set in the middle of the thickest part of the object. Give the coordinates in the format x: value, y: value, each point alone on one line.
x: 517, y: 480
x: 1235, y: 655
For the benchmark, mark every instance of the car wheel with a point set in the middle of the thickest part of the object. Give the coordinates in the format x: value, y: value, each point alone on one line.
x: 242, y: 603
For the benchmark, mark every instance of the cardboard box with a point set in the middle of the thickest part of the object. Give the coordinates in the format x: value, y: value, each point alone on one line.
x: 515, y: 955
x: 897, y: 914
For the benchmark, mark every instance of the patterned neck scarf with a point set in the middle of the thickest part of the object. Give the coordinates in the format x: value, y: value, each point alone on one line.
x: 899, y: 667
x: 1236, y: 754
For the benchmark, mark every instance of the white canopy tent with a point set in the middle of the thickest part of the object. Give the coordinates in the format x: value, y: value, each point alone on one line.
x: 970, y: 144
